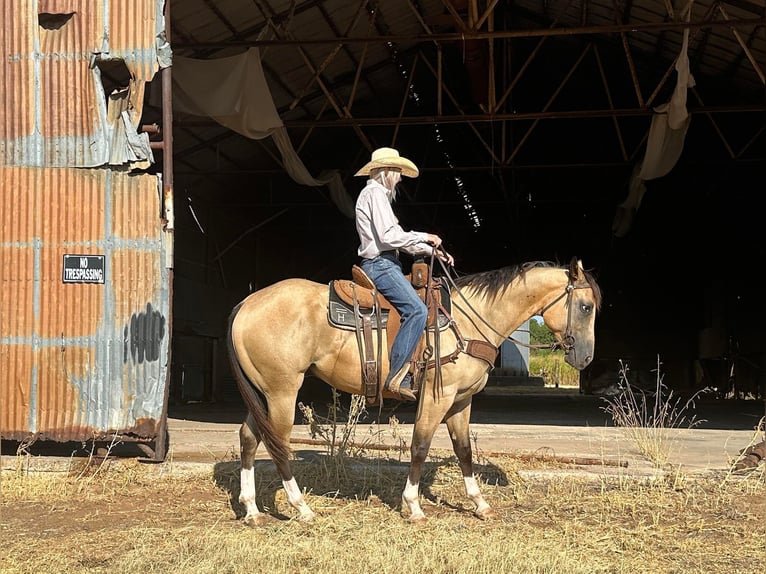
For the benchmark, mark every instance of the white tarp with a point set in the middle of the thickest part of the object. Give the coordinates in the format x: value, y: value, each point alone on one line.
x: 664, y: 145
x: 233, y: 91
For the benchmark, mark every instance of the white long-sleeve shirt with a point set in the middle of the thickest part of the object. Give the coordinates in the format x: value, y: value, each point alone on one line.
x: 379, y: 229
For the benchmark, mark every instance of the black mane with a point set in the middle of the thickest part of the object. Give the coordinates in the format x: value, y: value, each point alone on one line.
x: 493, y: 283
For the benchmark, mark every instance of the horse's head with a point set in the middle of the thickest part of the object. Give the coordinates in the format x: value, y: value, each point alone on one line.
x: 571, y: 316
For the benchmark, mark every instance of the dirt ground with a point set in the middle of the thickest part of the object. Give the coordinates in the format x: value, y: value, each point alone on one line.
x: 126, y: 521
x: 510, y: 420
x: 553, y: 422
x: 87, y: 503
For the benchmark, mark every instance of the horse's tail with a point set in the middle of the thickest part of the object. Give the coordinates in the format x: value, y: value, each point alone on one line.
x: 278, y: 449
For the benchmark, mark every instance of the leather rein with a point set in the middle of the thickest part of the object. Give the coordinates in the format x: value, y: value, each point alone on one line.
x: 465, y: 345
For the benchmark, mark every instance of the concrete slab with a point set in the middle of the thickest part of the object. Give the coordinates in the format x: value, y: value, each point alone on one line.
x: 532, y: 424
x: 527, y: 423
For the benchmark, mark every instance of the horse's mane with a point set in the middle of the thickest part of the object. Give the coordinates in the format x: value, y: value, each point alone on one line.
x: 493, y: 283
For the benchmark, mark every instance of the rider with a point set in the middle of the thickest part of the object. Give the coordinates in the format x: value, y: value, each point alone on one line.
x: 381, y: 238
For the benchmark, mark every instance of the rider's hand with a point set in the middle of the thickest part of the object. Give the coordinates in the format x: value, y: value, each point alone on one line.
x: 434, y: 240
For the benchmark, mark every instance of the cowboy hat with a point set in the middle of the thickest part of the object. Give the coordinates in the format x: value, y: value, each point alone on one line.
x: 389, y: 157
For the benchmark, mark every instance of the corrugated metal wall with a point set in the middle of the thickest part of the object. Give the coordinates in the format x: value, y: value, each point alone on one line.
x: 81, y: 359
x: 85, y: 292
x: 54, y: 109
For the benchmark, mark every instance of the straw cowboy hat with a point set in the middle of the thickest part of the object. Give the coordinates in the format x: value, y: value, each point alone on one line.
x: 389, y: 157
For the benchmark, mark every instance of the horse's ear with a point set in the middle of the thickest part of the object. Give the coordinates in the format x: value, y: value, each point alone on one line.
x: 576, y: 270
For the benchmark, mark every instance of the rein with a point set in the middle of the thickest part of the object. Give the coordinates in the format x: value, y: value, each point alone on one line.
x: 567, y: 341
x: 483, y: 350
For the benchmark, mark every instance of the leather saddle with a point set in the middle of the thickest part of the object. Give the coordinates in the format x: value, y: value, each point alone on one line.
x: 355, y: 305
x: 343, y: 291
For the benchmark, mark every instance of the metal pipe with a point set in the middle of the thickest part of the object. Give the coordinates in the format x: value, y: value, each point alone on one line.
x: 476, y: 118
x: 160, y: 442
x: 167, y: 144
x: 468, y: 34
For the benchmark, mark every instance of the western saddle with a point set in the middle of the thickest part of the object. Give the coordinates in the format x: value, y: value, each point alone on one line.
x: 369, y: 307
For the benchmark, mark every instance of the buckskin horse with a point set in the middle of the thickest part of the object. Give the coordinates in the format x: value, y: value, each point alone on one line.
x: 280, y: 333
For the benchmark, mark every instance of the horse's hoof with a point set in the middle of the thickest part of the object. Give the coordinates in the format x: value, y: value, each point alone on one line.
x: 255, y: 520
x: 418, y: 519
x: 307, y: 517
x: 486, y: 514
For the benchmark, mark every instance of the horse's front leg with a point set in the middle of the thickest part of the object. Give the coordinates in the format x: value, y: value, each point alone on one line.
x: 421, y: 442
x: 458, y: 426
x: 429, y: 418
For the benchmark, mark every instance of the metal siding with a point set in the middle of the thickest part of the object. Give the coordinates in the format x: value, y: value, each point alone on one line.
x: 79, y: 361
x: 79, y: 37
x: 55, y: 113
x: 17, y: 107
x: 64, y: 116
x: 133, y: 27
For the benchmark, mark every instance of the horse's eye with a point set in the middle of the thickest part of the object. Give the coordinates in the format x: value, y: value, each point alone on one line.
x: 586, y: 308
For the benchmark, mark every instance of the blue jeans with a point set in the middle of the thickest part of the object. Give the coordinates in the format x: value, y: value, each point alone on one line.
x: 386, y: 272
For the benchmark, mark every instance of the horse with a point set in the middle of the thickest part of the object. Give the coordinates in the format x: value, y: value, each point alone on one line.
x: 280, y: 333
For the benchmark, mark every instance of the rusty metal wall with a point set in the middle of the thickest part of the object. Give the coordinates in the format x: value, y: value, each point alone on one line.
x: 80, y: 360
x: 85, y: 257
x: 60, y: 57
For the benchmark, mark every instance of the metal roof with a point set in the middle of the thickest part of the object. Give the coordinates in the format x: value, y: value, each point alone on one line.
x: 317, y: 55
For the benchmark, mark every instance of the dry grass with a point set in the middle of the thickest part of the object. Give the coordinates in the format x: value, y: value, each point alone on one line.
x: 651, y: 420
x: 130, y: 517
x: 338, y: 430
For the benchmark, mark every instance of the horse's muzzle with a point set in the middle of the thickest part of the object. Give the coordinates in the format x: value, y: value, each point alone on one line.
x: 578, y: 356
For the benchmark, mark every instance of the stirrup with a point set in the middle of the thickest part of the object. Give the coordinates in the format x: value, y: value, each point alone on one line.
x: 405, y: 391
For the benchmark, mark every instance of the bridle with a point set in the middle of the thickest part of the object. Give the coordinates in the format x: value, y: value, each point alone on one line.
x: 567, y: 341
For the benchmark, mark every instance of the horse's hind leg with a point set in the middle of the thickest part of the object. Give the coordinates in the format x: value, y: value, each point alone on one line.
x: 248, y: 444
x: 248, y: 441
x: 281, y: 415
x: 458, y: 426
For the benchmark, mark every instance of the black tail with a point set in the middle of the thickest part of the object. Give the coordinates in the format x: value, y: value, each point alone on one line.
x: 277, y: 448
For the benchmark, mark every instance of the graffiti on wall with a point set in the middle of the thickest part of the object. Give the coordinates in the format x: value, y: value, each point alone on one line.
x: 143, y: 336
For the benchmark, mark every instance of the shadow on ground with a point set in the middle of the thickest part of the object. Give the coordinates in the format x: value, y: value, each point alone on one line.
x: 360, y: 478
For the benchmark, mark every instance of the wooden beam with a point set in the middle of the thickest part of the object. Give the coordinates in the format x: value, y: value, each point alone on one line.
x: 715, y: 124
x: 527, y: 62
x: 489, y: 11
x: 672, y: 65
x: 405, y: 97
x: 470, y: 125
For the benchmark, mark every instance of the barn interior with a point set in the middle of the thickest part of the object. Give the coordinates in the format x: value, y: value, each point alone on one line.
x: 530, y: 122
